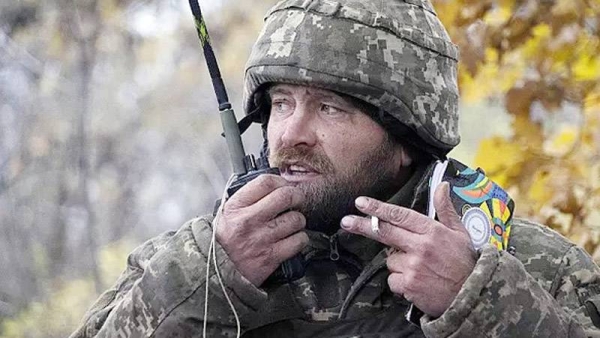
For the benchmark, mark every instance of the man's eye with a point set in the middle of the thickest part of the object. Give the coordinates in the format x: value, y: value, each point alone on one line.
x: 330, y: 110
x: 280, y: 106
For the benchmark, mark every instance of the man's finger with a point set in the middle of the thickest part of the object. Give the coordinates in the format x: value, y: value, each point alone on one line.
x: 444, y: 207
x: 278, y: 201
x: 396, y: 262
x: 255, y: 190
x: 285, y: 225
x: 396, y: 283
x: 388, y: 234
x: 290, y: 246
x: 399, y: 216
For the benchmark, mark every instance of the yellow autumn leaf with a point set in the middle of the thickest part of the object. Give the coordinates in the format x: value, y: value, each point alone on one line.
x: 542, y: 31
x: 592, y: 102
x: 529, y: 132
x: 562, y: 7
x: 562, y: 142
x: 447, y: 11
x: 491, y: 56
x: 539, y: 191
x: 513, y: 68
x: 497, y: 156
x: 470, y: 88
x: 587, y: 68
x: 498, y: 16
x: 486, y: 83
x: 561, y: 57
x: 537, y: 42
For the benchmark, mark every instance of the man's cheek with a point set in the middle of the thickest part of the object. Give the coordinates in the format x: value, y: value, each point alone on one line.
x: 273, y: 155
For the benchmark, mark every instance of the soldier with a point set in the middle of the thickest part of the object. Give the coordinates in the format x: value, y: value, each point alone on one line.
x: 358, y: 99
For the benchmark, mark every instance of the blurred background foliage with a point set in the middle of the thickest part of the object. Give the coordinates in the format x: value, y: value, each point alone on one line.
x: 109, y: 131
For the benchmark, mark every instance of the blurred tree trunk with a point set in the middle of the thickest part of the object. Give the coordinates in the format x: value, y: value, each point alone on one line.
x: 18, y: 283
x: 125, y: 215
x: 86, y: 26
x: 57, y: 249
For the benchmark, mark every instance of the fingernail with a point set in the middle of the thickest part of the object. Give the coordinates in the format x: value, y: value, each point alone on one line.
x: 347, y: 222
x: 361, y: 202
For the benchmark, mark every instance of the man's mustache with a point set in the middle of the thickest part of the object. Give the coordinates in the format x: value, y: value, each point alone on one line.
x: 318, y: 161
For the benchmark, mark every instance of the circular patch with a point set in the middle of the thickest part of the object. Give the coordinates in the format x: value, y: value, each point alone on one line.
x: 478, y: 225
x: 498, y: 230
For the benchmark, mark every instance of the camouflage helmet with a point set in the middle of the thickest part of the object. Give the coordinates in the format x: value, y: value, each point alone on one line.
x: 396, y: 55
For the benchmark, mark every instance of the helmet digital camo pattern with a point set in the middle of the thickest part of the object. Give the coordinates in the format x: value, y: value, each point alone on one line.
x: 394, y: 54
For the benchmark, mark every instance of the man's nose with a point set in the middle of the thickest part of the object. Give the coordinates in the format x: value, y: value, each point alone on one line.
x: 300, y: 128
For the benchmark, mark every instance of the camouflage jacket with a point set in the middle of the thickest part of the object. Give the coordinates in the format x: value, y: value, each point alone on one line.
x: 547, y: 287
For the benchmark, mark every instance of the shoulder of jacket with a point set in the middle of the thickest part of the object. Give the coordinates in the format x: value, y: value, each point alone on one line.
x: 141, y: 255
x: 542, y: 251
x: 534, y: 237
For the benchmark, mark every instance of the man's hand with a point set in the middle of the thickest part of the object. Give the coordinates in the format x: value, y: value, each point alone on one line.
x: 432, y: 259
x: 257, y: 229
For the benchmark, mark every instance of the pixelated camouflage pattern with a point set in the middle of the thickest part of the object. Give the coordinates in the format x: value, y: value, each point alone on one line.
x: 547, y: 289
x: 393, y: 54
x: 550, y: 288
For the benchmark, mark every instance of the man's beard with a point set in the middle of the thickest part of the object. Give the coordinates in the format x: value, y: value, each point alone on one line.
x: 332, y: 197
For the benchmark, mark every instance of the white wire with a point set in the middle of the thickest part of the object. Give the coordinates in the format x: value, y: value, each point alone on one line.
x: 237, y: 318
x: 212, y: 253
x: 208, y: 261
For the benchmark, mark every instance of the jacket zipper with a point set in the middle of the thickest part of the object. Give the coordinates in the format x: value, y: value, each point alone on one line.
x: 334, y: 254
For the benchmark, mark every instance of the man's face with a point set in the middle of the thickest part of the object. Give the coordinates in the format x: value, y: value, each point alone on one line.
x: 331, y: 149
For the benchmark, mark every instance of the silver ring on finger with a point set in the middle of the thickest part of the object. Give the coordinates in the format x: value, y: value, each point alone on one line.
x: 375, y: 225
